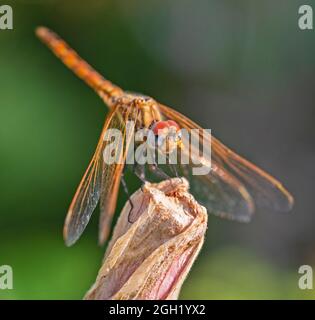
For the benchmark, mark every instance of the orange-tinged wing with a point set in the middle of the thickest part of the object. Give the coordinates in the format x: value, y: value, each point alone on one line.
x: 100, y: 180
x: 87, y: 195
x: 234, y: 184
x: 111, y: 173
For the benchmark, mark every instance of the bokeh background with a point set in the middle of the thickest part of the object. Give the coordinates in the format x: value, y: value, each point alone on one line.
x: 242, y: 68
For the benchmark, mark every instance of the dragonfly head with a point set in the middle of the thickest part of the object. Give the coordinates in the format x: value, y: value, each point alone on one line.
x: 168, y: 135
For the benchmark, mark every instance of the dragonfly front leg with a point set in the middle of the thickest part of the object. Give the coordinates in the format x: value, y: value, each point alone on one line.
x: 174, y: 170
x: 139, y: 171
x: 126, y: 190
x: 158, y: 171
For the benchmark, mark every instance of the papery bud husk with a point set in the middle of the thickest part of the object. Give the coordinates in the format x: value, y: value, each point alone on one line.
x: 150, y: 258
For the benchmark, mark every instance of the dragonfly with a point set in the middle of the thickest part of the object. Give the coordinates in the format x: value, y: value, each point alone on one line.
x: 232, y: 189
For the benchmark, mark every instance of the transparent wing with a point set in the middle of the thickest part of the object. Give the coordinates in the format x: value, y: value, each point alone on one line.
x: 111, y: 173
x: 97, y: 182
x: 233, y: 184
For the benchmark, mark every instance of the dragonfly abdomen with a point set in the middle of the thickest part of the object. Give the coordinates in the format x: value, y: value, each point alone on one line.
x: 105, y: 89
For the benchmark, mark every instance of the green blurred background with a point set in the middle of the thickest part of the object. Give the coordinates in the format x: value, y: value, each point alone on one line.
x: 241, y: 68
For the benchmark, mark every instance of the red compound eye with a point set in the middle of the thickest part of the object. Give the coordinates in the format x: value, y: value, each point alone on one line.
x: 172, y: 123
x: 160, y: 125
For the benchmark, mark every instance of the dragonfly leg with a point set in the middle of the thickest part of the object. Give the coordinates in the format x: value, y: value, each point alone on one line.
x: 163, y: 175
x: 139, y: 171
x: 125, y: 187
x: 174, y: 170
x: 158, y: 171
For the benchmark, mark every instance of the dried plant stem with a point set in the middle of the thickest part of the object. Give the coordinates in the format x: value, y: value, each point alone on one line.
x: 151, y: 257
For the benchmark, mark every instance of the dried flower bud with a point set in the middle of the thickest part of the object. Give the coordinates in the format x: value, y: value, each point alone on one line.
x: 151, y: 257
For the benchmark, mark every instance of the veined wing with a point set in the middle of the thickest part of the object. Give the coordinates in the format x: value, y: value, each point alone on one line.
x: 111, y: 172
x: 99, y: 180
x: 233, y: 184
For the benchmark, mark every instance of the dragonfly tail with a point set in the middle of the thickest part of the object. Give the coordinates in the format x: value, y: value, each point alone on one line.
x: 105, y: 89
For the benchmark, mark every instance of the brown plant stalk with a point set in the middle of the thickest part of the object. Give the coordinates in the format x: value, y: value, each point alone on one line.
x: 150, y: 257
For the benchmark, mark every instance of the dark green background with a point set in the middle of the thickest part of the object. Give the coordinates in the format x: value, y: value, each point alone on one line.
x: 241, y: 68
